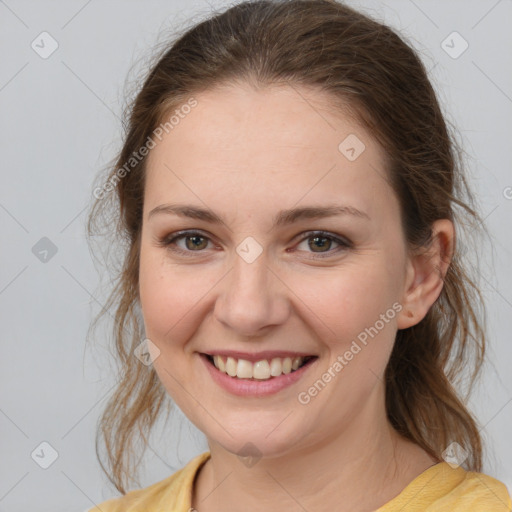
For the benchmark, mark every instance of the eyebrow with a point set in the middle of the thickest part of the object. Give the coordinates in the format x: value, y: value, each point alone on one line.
x: 284, y: 217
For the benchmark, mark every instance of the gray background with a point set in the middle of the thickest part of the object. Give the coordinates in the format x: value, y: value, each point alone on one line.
x: 60, y: 125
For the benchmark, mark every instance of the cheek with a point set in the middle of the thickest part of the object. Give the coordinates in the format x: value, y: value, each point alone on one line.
x: 357, y: 321
x: 157, y: 290
x: 346, y: 300
x: 339, y: 304
x: 170, y: 296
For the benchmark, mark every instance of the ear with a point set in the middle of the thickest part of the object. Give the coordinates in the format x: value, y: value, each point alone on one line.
x: 425, y: 275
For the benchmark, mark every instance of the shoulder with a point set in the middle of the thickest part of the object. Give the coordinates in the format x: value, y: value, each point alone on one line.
x: 174, y: 493
x: 481, y: 492
x: 444, y: 488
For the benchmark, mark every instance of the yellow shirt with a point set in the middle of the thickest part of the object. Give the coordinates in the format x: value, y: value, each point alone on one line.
x: 438, y: 489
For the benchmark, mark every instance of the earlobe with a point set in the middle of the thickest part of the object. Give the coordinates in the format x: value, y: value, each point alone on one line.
x: 426, y: 273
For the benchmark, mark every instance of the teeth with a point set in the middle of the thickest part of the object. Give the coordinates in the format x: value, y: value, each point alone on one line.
x: 261, y: 370
x: 219, y: 363
x: 231, y: 367
x: 244, y: 369
x: 276, y: 367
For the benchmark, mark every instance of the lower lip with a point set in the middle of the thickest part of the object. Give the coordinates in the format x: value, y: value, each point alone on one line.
x: 253, y: 387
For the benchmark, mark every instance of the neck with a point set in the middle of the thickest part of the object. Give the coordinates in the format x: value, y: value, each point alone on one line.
x: 363, y: 467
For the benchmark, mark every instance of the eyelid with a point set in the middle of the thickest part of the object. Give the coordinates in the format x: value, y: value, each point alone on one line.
x: 167, y: 240
x: 344, y: 243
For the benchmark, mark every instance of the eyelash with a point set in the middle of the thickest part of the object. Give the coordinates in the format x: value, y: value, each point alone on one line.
x: 169, y: 242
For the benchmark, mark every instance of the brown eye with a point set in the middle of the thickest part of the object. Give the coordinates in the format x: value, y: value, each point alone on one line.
x: 196, y: 242
x: 320, y: 242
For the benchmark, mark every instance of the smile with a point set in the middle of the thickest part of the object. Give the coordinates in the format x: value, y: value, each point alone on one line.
x: 260, y: 378
x: 260, y: 370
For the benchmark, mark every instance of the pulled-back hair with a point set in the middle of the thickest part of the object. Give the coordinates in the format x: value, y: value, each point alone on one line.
x: 361, y: 63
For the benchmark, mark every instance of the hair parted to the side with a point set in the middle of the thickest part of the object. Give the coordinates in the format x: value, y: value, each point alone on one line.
x: 363, y: 64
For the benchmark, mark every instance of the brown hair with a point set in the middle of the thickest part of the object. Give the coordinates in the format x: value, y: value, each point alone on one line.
x: 359, y: 62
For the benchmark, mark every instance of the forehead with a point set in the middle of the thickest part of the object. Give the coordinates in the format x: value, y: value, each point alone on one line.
x: 275, y: 145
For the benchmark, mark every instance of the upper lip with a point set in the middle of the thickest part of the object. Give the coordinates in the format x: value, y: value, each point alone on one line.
x: 258, y: 356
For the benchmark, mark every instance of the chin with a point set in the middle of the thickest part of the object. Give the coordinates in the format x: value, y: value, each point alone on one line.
x: 255, y: 443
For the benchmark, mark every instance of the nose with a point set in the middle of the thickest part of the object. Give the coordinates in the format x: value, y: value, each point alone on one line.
x: 252, y: 298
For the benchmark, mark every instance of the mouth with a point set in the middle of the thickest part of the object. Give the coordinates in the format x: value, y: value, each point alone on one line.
x: 261, y: 370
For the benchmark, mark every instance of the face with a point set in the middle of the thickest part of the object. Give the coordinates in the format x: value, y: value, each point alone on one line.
x: 319, y: 286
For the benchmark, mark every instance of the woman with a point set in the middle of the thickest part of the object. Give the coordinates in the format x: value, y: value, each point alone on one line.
x: 286, y: 189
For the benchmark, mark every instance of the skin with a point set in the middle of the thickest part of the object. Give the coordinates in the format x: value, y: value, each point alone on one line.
x: 245, y: 155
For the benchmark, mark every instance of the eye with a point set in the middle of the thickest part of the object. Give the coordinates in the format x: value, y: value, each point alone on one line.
x: 321, y: 240
x: 196, y: 241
